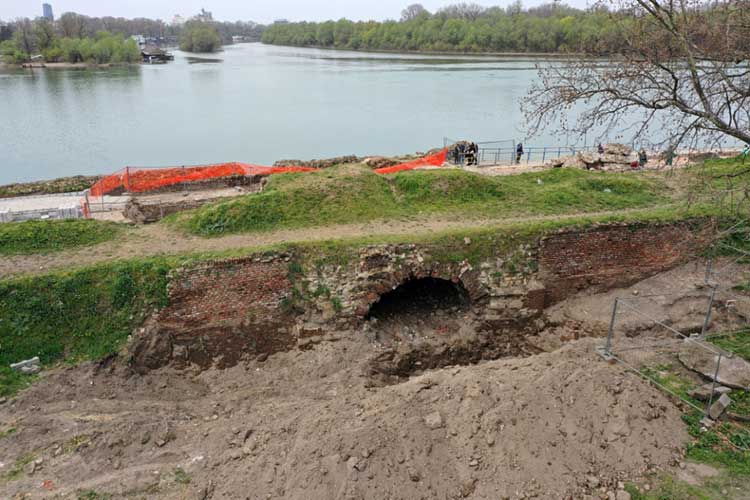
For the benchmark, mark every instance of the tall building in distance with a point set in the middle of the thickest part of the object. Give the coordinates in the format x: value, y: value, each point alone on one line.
x: 47, y: 12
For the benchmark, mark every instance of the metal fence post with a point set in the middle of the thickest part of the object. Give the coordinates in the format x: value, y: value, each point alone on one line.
x: 707, y: 319
x: 544, y: 154
x: 610, y: 333
x: 713, y: 385
x: 709, y: 266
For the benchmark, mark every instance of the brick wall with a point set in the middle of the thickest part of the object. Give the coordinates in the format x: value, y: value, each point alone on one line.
x: 223, y: 311
x: 229, y: 309
x: 614, y: 256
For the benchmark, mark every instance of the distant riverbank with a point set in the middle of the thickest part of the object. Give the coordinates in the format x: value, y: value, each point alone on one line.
x: 65, y: 65
x: 536, y: 55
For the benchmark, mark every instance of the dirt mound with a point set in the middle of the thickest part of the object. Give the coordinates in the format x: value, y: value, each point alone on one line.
x: 324, y: 163
x: 305, y: 424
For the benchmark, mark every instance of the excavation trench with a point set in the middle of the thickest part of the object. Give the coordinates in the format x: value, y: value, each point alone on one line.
x: 429, y: 323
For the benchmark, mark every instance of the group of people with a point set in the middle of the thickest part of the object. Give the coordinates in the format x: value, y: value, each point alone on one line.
x: 467, y: 152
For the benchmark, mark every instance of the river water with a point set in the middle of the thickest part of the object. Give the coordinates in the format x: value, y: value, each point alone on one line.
x: 257, y: 104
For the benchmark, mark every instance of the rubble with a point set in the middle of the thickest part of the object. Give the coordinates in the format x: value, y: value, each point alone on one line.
x: 616, y: 158
x: 434, y: 420
x: 28, y: 366
x: 734, y: 371
x: 703, y: 393
x: 719, y: 407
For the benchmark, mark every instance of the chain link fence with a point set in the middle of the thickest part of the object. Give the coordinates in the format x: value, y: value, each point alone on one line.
x: 680, y: 352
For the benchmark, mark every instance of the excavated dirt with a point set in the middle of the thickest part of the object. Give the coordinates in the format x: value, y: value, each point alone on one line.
x: 320, y: 424
x: 306, y: 425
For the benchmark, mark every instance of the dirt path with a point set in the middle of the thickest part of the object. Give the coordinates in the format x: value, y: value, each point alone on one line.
x: 161, y: 239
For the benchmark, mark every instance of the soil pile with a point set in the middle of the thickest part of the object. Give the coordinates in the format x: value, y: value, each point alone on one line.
x: 309, y: 425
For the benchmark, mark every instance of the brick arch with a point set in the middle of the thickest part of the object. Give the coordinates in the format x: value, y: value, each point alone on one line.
x: 392, y: 280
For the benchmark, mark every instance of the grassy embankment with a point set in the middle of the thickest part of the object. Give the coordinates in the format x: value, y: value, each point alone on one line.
x: 53, y: 236
x: 353, y: 194
x: 80, y: 315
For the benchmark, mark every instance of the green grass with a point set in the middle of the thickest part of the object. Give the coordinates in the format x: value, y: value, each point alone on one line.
x: 353, y: 193
x: 52, y: 236
x: 86, y: 314
x: 736, y: 342
x: 180, y: 476
x: 8, y: 432
x: 669, y: 488
x: 706, y: 446
x: 11, y: 381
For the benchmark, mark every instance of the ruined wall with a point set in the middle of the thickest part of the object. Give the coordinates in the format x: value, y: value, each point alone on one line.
x: 223, y: 311
x: 612, y: 256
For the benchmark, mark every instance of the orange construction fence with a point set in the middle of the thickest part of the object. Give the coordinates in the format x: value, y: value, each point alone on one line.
x: 139, y: 180
x: 434, y: 160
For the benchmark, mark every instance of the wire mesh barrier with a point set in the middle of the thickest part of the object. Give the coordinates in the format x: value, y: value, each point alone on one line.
x: 676, y: 351
x: 488, y: 156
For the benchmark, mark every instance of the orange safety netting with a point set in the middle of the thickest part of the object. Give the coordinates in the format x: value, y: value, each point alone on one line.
x: 138, y: 180
x: 434, y: 160
x: 261, y: 170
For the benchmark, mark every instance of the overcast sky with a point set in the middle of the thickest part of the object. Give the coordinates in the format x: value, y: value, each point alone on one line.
x: 263, y: 11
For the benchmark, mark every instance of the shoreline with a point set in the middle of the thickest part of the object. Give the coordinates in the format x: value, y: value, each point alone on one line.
x: 536, y: 55
x: 66, y: 65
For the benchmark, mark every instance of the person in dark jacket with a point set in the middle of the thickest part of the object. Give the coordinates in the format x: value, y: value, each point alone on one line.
x: 642, y: 158
x: 519, y: 152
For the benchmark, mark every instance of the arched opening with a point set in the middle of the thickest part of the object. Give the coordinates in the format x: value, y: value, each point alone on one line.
x: 420, y: 299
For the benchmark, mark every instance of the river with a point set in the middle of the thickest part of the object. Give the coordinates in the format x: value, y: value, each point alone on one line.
x: 257, y: 104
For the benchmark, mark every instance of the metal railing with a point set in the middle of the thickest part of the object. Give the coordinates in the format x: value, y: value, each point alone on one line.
x: 487, y: 157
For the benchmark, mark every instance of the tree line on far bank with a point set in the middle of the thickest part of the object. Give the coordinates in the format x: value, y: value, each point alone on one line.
x: 78, y: 38
x: 40, y: 37
x: 552, y: 27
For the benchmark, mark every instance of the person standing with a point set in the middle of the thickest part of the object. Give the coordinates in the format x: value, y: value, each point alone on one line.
x: 642, y: 158
x: 519, y: 153
x: 745, y: 153
x: 670, y: 156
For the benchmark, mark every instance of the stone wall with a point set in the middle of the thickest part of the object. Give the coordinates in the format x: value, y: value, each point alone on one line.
x: 612, y: 256
x: 223, y: 311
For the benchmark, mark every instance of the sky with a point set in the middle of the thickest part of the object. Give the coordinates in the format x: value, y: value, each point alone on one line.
x: 263, y: 11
